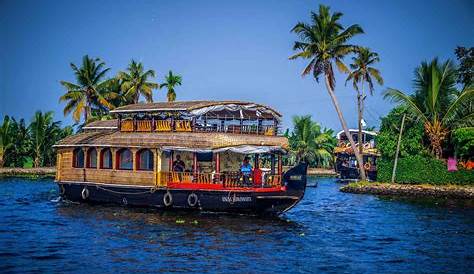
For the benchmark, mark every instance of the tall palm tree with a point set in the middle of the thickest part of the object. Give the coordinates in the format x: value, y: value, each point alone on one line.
x: 171, y: 81
x: 325, y: 43
x: 5, y: 139
x: 42, y: 129
x: 89, y: 91
x: 136, y: 82
x: 436, y: 103
x: 362, y: 71
x: 309, y: 144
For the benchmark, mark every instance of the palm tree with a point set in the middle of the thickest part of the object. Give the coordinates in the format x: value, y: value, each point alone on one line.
x: 324, y: 42
x: 309, y: 144
x: 171, y: 81
x: 362, y: 72
x: 20, y: 150
x: 436, y: 103
x: 42, y: 131
x: 5, y: 139
x: 89, y: 90
x: 135, y: 82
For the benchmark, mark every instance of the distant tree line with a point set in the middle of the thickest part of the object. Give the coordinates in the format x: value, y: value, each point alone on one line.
x: 23, y: 145
x: 310, y: 143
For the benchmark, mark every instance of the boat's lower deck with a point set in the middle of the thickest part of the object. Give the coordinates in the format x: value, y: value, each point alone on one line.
x: 249, y: 200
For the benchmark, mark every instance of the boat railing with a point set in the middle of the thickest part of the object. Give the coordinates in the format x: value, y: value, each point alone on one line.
x: 225, y: 180
x: 129, y: 125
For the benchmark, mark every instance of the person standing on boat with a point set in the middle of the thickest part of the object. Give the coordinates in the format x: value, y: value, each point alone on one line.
x: 246, y: 170
x: 178, y: 164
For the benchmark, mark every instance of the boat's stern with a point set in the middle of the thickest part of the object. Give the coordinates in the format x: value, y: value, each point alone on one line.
x: 294, y: 181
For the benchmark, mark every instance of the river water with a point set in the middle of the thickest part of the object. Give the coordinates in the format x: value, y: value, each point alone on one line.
x: 328, y: 232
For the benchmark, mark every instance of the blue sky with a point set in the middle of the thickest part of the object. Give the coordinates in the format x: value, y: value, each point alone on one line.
x: 223, y: 49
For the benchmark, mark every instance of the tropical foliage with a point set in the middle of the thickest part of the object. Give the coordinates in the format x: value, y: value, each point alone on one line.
x: 90, y: 90
x: 465, y: 57
x: 136, y: 81
x: 93, y: 94
x: 310, y: 143
x: 22, y: 144
x: 436, y: 102
x: 325, y: 42
x: 412, y: 142
x: 171, y: 81
x: 362, y: 72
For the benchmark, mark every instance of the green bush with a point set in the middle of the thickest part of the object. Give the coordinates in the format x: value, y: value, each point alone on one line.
x: 418, y: 169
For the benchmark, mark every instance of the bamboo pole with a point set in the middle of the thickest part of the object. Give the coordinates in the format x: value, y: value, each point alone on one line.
x: 398, y: 149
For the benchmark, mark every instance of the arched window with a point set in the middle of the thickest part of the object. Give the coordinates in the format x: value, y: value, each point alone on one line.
x: 145, y: 159
x: 78, y: 158
x: 124, y: 159
x: 91, y: 158
x: 106, y: 158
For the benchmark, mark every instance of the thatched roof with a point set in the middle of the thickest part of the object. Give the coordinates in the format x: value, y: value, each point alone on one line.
x: 182, y: 106
x: 210, y: 140
x: 106, y: 124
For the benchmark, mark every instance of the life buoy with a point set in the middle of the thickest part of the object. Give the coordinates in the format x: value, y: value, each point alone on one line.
x: 367, y: 166
x: 85, y: 193
x: 62, y: 189
x: 168, y: 199
x: 193, y: 199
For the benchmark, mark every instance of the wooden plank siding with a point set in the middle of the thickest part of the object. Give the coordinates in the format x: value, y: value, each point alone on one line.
x: 66, y: 172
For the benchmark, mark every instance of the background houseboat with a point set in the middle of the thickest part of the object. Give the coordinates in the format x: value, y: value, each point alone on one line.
x: 134, y: 159
x: 346, y: 164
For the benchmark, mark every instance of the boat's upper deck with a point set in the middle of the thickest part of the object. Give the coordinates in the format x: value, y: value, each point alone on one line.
x: 196, y: 116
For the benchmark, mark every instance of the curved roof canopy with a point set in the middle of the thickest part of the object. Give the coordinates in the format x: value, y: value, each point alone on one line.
x: 352, y: 131
x: 211, y: 109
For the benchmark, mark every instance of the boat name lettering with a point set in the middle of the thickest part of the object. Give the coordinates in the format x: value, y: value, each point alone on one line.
x: 233, y: 199
x: 296, y: 177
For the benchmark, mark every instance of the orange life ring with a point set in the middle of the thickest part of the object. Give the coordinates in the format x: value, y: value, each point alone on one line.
x: 367, y: 166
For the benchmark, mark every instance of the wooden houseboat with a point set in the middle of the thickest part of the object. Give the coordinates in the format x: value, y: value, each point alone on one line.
x: 346, y: 164
x: 199, y: 155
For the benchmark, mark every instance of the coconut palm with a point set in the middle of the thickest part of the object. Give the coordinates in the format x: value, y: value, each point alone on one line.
x: 362, y: 71
x: 171, y: 81
x: 436, y: 103
x: 42, y: 129
x: 19, y: 152
x: 89, y: 91
x: 5, y: 139
x: 135, y: 82
x: 309, y: 144
x: 325, y: 43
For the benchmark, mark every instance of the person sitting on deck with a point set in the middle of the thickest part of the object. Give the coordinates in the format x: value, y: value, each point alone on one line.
x: 178, y: 164
x: 246, y: 170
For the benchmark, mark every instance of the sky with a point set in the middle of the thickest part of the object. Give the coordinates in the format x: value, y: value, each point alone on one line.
x: 229, y: 50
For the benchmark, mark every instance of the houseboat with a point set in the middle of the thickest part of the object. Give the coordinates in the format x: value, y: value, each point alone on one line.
x: 346, y: 163
x: 216, y: 156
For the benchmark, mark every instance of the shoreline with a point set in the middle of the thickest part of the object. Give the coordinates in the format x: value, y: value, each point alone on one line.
x: 34, y: 173
x: 50, y: 172
x: 463, y: 192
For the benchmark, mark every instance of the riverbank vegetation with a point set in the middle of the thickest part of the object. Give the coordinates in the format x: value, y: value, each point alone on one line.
x: 440, y: 125
x: 23, y: 145
x: 310, y: 143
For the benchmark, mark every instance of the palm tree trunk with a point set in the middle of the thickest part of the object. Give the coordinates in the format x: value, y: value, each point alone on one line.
x: 360, y: 102
x: 346, y: 130
x: 1, y: 159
